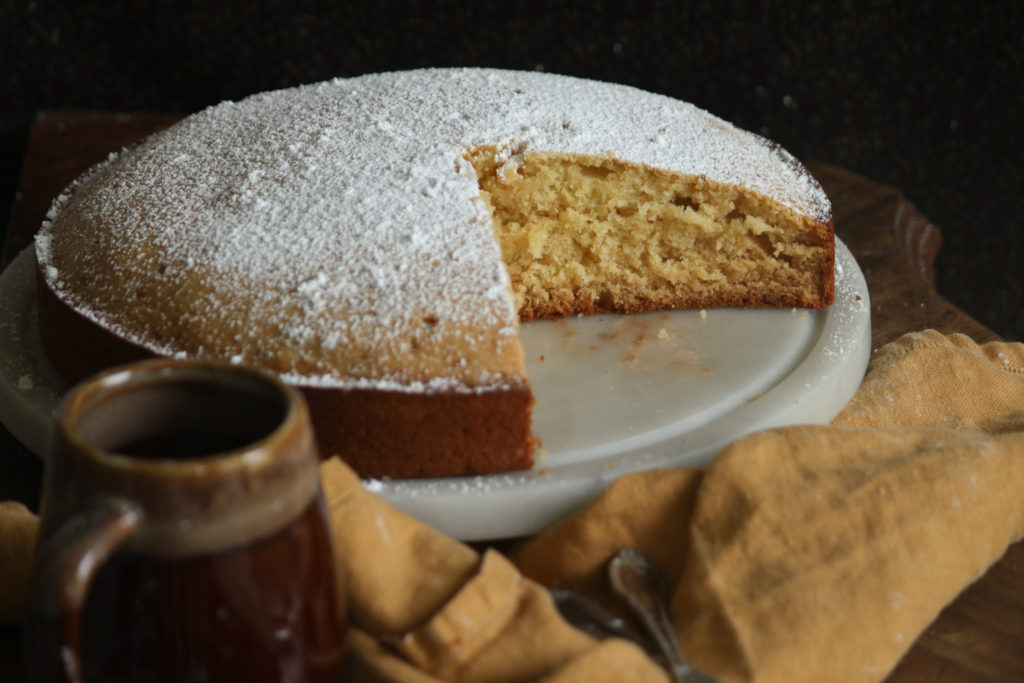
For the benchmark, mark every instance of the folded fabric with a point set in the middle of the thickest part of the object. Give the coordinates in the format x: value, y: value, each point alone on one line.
x: 803, y: 553
x: 821, y: 553
x: 426, y: 607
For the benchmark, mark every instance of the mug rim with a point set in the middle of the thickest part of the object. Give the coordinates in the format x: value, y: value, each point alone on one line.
x: 250, y: 454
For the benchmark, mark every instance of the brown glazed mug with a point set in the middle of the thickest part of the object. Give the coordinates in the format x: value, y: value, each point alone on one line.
x: 183, y: 534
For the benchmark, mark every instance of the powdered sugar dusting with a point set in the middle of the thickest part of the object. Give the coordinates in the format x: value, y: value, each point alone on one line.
x: 343, y: 217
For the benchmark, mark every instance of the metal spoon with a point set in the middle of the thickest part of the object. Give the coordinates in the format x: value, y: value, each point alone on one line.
x: 591, y: 617
x: 637, y: 581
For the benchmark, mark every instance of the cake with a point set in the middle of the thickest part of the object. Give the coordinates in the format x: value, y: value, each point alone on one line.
x: 376, y: 240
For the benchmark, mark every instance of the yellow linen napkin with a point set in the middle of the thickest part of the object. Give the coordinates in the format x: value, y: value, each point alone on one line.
x: 805, y: 553
x: 821, y: 553
x: 445, y: 613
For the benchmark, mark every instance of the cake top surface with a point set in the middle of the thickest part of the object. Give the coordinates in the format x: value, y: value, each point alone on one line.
x: 343, y: 216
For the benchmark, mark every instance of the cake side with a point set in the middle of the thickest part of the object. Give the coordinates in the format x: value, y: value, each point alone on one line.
x: 378, y: 433
x: 414, y: 435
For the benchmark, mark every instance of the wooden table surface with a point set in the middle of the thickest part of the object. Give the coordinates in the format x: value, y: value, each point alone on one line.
x: 979, y: 637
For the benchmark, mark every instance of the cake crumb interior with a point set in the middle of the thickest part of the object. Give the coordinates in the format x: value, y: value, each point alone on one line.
x: 591, y: 234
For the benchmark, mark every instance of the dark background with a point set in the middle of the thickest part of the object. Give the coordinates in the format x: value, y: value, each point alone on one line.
x: 925, y: 96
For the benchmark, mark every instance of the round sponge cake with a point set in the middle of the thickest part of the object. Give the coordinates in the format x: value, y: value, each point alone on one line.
x: 375, y: 240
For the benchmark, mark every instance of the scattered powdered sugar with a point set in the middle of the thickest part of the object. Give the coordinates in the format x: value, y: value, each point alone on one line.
x: 342, y: 214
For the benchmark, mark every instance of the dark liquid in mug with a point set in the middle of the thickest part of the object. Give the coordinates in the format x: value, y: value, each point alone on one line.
x: 184, y: 445
x: 217, y: 617
x: 181, y: 420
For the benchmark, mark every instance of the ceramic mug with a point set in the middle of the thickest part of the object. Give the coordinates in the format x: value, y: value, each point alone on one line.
x: 183, y: 534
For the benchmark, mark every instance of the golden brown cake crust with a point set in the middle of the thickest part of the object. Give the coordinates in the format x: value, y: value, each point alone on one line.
x: 378, y: 433
x: 397, y: 434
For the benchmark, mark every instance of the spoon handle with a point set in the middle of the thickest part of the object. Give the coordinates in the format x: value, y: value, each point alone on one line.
x: 637, y: 581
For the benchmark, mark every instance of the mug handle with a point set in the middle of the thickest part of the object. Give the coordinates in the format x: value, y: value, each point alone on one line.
x: 66, y: 563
